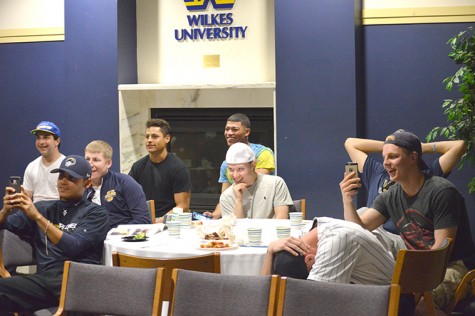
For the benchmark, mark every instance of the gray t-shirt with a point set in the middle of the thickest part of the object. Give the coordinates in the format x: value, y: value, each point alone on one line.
x: 437, y: 205
x: 260, y: 199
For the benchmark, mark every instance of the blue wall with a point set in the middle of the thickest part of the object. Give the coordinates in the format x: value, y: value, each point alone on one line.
x: 405, y: 66
x: 72, y: 83
x: 316, y: 95
x: 334, y: 82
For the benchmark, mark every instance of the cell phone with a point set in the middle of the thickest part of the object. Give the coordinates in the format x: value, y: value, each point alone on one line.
x: 350, y: 167
x: 199, y: 216
x: 15, y: 183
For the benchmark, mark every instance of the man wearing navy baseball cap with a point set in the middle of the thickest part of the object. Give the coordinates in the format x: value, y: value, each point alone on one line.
x: 426, y: 209
x: 71, y: 228
x: 39, y: 182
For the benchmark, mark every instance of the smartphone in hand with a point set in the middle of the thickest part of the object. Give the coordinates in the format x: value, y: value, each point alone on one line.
x: 15, y: 183
x: 350, y: 167
x: 200, y: 216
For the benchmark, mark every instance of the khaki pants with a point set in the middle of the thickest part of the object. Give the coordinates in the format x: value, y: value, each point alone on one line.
x: 444, y: 293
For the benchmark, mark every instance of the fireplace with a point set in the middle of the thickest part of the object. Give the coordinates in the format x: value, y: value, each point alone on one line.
x: 197, y: 139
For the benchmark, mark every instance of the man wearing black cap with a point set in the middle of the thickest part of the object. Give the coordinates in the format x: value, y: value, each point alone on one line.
x: 39, y: 183
x: 376, y: 179
x: 69, y: 229
x: 425, y: 209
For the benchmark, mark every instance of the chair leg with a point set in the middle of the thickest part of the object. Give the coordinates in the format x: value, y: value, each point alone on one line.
x: 429, y: 303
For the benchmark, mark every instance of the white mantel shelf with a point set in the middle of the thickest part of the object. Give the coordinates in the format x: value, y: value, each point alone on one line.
x: 155, y: 86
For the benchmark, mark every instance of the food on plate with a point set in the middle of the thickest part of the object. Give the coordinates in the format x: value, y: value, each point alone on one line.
x: 215, y: 245
x: 140, y: 236
x: 214, y: 236
x: 196, y: 223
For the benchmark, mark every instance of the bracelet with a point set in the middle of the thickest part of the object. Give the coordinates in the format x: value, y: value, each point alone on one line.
x: 434, y: 148
x: 46, y: 237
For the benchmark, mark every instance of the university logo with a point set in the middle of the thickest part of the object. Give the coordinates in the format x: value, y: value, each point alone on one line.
x: 196, y: 5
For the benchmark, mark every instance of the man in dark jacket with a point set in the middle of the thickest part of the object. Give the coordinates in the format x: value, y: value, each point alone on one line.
x: 69, y: 229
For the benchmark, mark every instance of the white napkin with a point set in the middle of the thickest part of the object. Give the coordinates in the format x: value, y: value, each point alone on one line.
x: 222, y: 227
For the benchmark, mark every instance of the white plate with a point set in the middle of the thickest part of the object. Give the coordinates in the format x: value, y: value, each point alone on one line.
x: 231, y: 247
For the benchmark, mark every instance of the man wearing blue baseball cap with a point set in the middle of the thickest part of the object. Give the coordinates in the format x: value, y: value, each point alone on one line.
x: 71, y: 228
x: 39, y: 183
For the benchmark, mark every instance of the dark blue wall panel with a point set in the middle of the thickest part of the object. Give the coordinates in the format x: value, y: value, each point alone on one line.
x: 405, y: 66
x: 72, y: 83
x: 315, y: 98
x: 127, y: 45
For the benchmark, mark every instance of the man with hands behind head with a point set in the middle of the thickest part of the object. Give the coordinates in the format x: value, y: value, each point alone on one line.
x: 72, y: 228
x: 425, y: 209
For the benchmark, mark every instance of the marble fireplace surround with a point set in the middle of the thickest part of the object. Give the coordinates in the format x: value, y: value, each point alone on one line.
x: 136, y: 100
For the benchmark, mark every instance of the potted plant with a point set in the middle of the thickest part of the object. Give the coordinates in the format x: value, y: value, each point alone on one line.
x: 461, y: 112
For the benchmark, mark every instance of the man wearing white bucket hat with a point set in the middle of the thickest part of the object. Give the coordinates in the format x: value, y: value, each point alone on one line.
x: 253, y: 195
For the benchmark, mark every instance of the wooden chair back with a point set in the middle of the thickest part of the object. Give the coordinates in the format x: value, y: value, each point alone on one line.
x: 467, y: 284
x: 151, y: 208
x: 206, y: 263
x: 221, y: 294
x: 324, y: 298
x: 300, y: 206
x: 98, y: 289
x: 420, y: 271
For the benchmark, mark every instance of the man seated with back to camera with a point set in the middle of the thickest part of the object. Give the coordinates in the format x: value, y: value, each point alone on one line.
x: 426, y: 210
x: 253, y: 195
x: 72, y: 228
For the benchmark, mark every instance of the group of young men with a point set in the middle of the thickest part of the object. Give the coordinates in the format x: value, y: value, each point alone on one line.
x: 68, y: 204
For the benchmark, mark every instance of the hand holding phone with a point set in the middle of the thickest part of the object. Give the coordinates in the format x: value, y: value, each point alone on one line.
x: 15, y: 182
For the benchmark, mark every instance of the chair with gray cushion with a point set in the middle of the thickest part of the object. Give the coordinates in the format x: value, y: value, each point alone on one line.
x: 202, y: 293
x: 298, y: 296
x: 209, y: 262
x: 89, y: 288
x: 14, y: 252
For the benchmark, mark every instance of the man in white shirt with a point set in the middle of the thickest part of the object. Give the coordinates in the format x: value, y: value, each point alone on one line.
x: 39, y: 183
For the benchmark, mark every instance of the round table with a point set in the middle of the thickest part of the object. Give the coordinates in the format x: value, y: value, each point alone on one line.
x: 244, y: 260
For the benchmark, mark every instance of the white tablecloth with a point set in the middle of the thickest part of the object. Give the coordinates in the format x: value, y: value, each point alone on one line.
x: 243, y: 261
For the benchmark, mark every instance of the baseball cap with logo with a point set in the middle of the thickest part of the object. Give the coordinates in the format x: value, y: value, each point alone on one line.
x: 48, y: 127
x: 409, y: 141
x: 76, y: 166
x: 239, y: 153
